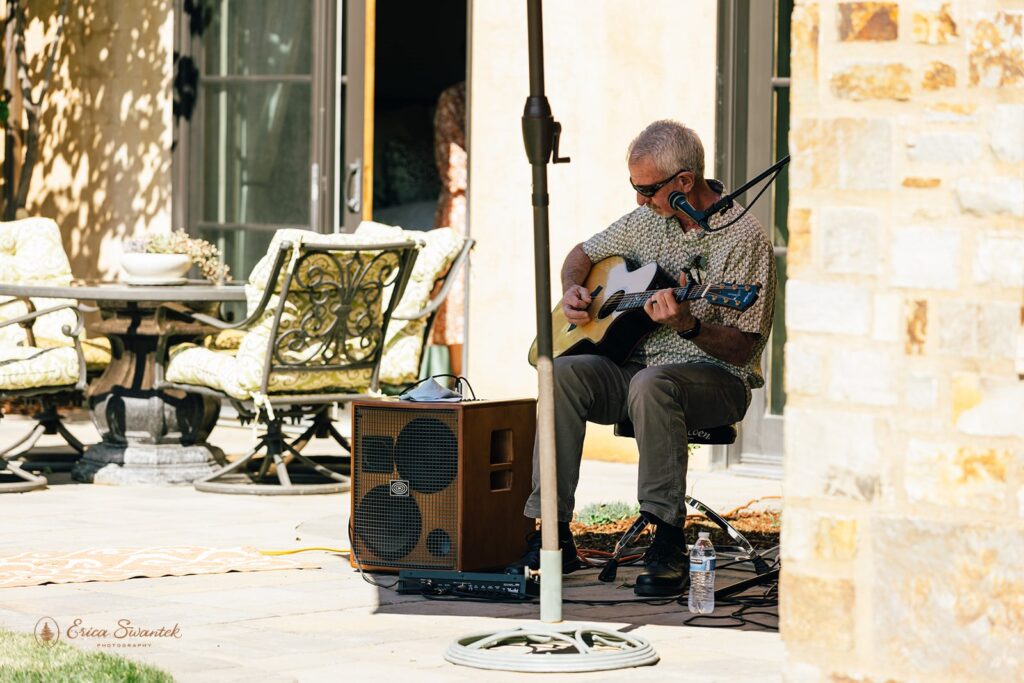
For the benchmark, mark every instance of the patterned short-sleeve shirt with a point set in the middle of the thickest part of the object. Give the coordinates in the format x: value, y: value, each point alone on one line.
x: 741, y: 253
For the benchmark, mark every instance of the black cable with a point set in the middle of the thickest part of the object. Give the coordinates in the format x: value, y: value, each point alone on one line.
x: 747, y: 607
x: 359, y: 565
x: 461, y: 596
x: 749, y: 206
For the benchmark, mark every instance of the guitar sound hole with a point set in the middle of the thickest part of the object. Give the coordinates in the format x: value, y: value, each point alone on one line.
x: 609, y: 305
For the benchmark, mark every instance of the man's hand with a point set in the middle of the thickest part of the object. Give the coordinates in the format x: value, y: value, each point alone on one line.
x: 663, y: 308
x: 574, y: 303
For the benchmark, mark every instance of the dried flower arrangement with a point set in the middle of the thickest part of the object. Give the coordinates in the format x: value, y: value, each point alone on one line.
x: 203, y: 254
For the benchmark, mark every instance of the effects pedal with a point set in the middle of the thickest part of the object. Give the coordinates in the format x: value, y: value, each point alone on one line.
x: 466, y: 584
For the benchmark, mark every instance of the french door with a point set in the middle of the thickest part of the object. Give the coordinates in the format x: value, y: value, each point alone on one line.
x: 752, y: 133
x: 275, y: 137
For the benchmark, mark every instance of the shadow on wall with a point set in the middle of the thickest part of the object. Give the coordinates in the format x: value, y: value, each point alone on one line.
x: 104, y: 171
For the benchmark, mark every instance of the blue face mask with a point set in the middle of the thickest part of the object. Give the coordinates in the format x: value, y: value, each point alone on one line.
x: 429, y: 391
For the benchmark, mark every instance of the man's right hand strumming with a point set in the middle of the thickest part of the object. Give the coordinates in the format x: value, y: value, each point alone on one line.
x: 575, y: 302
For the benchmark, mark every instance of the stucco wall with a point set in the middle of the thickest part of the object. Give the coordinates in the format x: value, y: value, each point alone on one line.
x: 610, y: 70
x: 903, y: 532
x: 105, y: 159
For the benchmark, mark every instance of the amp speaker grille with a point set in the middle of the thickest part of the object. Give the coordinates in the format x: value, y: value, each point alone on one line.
x: 440, y: 485
x: 405, y: 467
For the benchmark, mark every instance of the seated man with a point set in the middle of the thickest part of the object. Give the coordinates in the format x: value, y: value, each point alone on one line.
x: 695, y: 370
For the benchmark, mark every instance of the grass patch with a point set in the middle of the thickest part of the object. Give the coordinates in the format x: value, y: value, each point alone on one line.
x: 597, y: 514
x: 23, y: 660
x: 600, y: 525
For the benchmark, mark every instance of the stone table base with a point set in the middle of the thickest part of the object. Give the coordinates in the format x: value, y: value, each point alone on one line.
x: 146, y: 464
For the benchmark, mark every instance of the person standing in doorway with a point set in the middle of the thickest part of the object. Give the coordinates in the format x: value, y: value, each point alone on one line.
x: 453, y: 167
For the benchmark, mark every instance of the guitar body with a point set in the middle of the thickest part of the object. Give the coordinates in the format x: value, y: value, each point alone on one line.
x: 610, y: 333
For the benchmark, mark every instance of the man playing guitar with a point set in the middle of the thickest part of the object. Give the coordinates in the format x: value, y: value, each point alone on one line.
x: 695, y: 370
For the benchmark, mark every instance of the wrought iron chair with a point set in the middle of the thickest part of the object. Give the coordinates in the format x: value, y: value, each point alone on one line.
x: 314, y: 336
x: 443, y: 253
x: 29, y: 371
x: 31, y: 253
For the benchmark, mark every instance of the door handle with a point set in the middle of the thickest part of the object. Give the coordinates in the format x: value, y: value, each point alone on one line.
x: 354, y: 186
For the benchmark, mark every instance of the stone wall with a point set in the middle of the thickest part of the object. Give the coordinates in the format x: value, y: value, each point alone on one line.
x: 903, y: 537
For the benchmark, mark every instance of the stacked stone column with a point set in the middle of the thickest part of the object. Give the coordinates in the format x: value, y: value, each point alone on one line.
x: 903, y: 533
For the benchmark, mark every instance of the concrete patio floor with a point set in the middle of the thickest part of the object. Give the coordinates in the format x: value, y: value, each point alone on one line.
x: 327, y: 624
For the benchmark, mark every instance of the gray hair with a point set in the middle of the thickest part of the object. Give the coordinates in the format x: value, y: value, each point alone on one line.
x: 671, y: 146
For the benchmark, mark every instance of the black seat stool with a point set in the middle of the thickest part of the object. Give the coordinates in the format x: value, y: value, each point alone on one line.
x: 712, y: 436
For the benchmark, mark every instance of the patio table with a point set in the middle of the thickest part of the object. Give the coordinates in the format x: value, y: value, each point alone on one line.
x: 149, y: 436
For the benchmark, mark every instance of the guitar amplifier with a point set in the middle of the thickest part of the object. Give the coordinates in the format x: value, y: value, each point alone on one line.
x: 440, y: 485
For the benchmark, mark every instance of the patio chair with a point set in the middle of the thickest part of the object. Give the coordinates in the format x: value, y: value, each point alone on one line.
x: 31, y: 253
x: 444, y: 251
x: 318, y: 311
x: 27, y: 370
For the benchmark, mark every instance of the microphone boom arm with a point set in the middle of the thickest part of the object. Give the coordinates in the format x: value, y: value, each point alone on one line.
x: 678, y: 200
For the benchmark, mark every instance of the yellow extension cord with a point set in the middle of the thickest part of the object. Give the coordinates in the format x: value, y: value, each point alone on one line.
x: 343, y: 551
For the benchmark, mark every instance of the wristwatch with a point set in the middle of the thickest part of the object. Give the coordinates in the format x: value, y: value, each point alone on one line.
x: 692, y: 332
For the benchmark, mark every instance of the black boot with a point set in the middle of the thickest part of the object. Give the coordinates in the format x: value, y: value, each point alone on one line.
x: 531, y: 558
x: 666, y: 569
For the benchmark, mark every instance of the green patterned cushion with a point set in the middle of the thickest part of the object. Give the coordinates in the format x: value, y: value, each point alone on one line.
x: 31, y: 253
x: 28, y: 367
x: 234, y: 375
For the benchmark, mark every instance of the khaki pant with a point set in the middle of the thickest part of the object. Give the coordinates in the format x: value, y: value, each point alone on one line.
x: 661, y: 401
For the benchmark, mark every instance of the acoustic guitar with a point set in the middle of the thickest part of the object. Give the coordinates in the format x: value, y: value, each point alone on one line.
x: 618, y: 322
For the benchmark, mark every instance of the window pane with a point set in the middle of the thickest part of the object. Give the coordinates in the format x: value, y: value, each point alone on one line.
x: 256, y: 153
x: 241, y: 248
x: 259, y: 37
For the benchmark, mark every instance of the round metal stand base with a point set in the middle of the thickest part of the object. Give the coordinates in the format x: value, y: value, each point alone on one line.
x: 548, y: 649
x: 244, y: 486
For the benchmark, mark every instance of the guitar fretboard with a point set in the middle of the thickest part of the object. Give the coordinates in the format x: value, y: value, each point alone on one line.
x: 638, y: 299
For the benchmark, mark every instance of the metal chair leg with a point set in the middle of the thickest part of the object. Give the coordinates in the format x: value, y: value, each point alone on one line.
x: 280, y: 454
x: 29, y: 481
x: 34, y: 434
x: 322, y: 428
x: 48, y: 422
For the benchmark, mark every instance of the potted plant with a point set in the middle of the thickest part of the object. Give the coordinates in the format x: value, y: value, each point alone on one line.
x: 164, y: 258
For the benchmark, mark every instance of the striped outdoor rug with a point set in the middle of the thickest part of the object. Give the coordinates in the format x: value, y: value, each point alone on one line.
x: 118, y: 564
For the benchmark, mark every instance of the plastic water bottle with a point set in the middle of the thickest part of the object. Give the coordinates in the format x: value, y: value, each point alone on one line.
x: 702, y: 575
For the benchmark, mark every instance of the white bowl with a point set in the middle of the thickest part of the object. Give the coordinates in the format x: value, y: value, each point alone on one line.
x: 155, y: 269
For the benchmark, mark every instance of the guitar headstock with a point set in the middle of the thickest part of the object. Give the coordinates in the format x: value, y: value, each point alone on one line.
x: 729, y: 295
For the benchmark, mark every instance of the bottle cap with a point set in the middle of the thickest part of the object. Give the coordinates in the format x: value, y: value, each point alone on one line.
x: 704, y: 534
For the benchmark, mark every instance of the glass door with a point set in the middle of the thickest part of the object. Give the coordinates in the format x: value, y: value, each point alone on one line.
x: 752, y: 133
x: 268, y: 138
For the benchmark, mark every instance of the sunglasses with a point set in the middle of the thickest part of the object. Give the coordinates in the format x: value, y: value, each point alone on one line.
x: 652, y: 189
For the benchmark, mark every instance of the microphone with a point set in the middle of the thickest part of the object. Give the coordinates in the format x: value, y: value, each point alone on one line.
x: 677, y: 200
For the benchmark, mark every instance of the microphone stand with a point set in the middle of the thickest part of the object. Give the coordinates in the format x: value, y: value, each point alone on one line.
x: 678, y: 200
x: 540, y: 136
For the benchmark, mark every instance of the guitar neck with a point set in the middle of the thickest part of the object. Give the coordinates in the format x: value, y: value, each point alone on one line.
x: 638, y: 299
